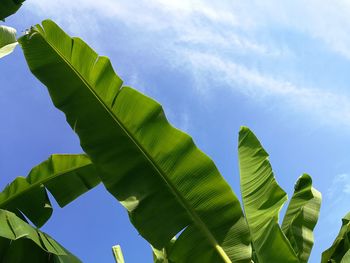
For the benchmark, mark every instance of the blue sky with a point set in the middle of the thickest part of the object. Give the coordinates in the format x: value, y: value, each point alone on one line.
x: 279, y: 67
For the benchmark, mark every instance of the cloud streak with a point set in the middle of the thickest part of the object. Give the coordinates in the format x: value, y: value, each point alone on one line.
x: 222, y: 39
x: 328, y: 107
x: 186, y: 15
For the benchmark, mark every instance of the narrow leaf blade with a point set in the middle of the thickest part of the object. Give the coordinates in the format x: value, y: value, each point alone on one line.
x: 262, y: 200
x: 341, y: 245
x: 301, y: 217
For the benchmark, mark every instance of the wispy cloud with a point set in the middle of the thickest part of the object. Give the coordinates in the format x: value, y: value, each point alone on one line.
x: 190, y: 22
x: 220, y: 39
x: 249, y: 17
x: 327, y: 106
x: 329, y: 23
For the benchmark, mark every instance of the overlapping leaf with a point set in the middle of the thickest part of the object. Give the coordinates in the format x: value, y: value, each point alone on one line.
x: 339, y: 251
x: 21, y: 243
x: 262, y: 201
x: 346, y: 258
x: 9, y: 7
x: 65, y: 176
x: 162, y: 255
x: 8, y: 40
x: 301, y: 217
x: 155, y: 170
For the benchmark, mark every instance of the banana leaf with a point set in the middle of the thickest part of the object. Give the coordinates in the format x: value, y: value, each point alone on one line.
x: 65, y: 176
x: 8, y: 40
x: 339, y: 251
x: 9, y: 7
x: 346, y: 257
x: 301, y: 217
x: 262, y: 201
x: 158, y: 174
x: 21, y: 243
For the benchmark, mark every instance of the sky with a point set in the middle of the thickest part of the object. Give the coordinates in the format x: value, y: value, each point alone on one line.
x: 278, y: 67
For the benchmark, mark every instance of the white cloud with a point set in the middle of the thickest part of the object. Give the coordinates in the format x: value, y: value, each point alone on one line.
x: 202, y: 33
x: 184, y: 18
x: 327, y: 22
x: 328, y: 107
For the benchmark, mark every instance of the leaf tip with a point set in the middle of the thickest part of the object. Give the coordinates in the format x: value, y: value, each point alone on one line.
x: 244, y: 129
x: 303, y: 181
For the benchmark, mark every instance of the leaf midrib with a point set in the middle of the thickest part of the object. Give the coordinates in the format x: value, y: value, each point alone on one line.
x: 196, y: 219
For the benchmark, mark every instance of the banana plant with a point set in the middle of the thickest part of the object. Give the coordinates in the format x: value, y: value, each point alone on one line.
x: 156, y: 172
x: 263, y: 198
x: 167, y: 185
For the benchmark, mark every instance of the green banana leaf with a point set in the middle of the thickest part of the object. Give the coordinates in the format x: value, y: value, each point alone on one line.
x: 8, y: 40
x: 65, y: 176
x: 164, y: 181
x: 262, y: 201
x: 21, y: 243
x: 9, y: 7
x: 118, y: 254
x: 341, y: 245
x: 161, y: 255
x: 346, y: 258
x: 301, y: 217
